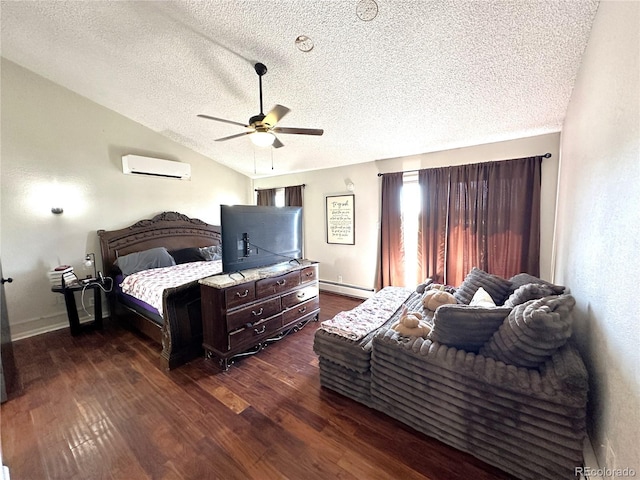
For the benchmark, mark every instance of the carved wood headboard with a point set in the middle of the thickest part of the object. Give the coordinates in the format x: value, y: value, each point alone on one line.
x: 172, y: 230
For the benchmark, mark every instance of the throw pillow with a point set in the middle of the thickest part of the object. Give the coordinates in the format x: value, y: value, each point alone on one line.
x: 482, y: 299
x: 466, y: 327
x: 212, y: 252
x: 529, y: 291
x: 138, y: 261
x: 532, y: 332
x: 187, y: 255
x: 524, y: 278
x: 495, y: 286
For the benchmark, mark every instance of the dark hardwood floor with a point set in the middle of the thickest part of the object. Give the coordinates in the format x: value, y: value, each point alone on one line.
x: 96, y: 406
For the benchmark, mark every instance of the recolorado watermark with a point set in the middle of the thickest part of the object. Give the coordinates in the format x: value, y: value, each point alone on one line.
x: 605, y: 472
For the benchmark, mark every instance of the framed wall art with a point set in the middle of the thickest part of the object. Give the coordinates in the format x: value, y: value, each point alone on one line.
x: 340, y: 217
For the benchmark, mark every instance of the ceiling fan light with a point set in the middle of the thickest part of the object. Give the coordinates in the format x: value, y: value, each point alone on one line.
x: 262, y: 139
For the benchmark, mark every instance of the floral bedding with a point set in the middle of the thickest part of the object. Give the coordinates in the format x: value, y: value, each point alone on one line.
x: 149, y: 285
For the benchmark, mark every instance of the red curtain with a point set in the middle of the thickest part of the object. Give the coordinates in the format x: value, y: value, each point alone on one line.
x: 391, y: 261
x: 485, y: 215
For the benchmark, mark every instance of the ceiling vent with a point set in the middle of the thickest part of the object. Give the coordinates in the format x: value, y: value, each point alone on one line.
x: 155, y: 167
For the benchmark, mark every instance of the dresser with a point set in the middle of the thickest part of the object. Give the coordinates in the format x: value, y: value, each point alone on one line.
x: 244, y: 311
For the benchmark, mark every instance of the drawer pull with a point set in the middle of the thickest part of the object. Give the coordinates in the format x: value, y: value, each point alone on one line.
x: 242, y: 295
x: 281, y: 282
x: 309, y: 274
x: 258, y: 313
x: 301, y: 295
x: 302, y: 310
x: 261, y: 330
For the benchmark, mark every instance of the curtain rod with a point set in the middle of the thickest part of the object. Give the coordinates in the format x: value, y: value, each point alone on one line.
x: 275, y: 188
x: 546, y: 155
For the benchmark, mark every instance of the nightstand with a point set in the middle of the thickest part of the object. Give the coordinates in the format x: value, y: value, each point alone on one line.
x: 72, y: 311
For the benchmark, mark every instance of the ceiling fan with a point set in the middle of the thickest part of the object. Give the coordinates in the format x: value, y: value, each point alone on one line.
x: 262, y: 128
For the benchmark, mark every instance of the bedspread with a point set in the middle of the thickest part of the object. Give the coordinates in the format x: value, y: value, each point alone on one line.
x: 368, y: 316
x: 149, y: 285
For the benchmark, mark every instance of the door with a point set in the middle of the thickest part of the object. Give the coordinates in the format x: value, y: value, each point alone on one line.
x: 8, y: 372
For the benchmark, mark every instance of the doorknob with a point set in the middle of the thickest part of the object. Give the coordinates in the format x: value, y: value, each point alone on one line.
x: 7, y: 280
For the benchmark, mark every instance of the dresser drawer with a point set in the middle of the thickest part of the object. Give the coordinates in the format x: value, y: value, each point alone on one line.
x: 309, y: 274
x: 252, y: 335
x: 273, y: 285
x: 293, y: 298
x: 295, y: 313
x: 253, y: 314
x: 240, y: 294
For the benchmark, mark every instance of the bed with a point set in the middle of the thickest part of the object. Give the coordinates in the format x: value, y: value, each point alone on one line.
x: 177, y: 324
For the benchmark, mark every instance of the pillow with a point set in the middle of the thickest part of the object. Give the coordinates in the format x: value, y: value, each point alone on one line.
x: 495, y: 286
x: 524, y: 278
x: 466, y: 327
x: 187, y: 255
x: 213, y: 252
x: 529, y: 291
x: 482, y: 299
x: 532, y: 332
x: 138, y: 261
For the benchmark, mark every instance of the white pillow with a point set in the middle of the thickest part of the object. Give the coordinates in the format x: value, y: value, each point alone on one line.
x: 482, y: 299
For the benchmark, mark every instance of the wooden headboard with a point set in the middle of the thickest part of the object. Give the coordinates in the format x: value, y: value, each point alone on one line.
x: 172, y: 230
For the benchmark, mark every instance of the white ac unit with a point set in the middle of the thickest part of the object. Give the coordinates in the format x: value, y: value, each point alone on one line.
x: 155, y: 167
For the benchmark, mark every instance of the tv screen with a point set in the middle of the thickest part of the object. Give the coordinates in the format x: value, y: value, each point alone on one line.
x: 257, y: 236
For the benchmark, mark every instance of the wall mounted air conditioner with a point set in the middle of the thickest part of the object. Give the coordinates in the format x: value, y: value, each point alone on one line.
x: 155, y: 167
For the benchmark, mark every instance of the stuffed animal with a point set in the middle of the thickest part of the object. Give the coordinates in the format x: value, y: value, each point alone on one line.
x: 436, y: 296
x: 411, y: 324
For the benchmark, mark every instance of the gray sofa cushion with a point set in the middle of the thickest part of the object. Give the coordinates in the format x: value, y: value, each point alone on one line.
x: 495, y: 286
x: 524, y: 278
x: 529, y: 291
x: 532, y: 332
x: 466, y: 327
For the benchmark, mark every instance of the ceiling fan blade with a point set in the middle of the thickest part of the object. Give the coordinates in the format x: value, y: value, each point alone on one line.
x: 277, y: 143
x: 230, y: 137
x: 298, y: 131
x: 275, y: 115
x: 223, y: 120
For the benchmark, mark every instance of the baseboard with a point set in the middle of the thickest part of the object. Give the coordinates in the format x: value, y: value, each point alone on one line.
x: 38, y: 326
x: 344, y: 289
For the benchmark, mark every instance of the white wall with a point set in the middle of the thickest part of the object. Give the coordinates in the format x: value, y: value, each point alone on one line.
x: 357, y: 264
x: 60, y: 149
x: 598, y: 228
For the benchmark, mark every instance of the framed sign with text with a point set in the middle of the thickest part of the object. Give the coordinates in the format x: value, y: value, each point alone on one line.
x: 340, y: 219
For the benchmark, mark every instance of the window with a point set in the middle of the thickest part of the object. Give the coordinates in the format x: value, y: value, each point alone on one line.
x: 279, y: 197
x: 411, y: 203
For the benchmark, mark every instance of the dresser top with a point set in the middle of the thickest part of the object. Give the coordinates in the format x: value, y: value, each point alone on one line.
x: 224, y: 280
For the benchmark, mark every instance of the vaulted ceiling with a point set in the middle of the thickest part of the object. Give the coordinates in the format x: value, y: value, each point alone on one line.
x: 419, y: 76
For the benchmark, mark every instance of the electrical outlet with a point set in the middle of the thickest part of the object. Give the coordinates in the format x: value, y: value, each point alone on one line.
x: 91, y: 302
x: 339, y: 278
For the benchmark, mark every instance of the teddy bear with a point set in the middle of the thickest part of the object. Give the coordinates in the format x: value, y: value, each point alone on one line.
x: 411, y: 324
x: 435, y: 296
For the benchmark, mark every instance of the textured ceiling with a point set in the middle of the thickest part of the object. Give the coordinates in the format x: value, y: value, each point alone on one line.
x: 421, y: 76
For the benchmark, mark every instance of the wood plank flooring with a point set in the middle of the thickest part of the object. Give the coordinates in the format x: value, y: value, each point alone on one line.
x: 97, y: 406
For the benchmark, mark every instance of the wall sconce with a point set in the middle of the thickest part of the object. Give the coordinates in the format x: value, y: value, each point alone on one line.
x: 350, y: 185
x: 90, y: 261
x: 57, y: 210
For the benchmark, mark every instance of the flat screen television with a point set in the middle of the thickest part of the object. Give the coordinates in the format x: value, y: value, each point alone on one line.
x: 257, y: 236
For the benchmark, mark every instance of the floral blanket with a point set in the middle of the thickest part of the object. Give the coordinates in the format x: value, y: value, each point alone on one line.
x: 368, y: 316
x: 149, y: 285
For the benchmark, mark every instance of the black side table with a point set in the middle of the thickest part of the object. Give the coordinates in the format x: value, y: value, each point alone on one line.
x: 72, y: 311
